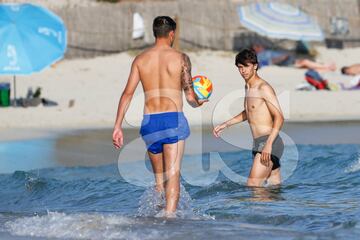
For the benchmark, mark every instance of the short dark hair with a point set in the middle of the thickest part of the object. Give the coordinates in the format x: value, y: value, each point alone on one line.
x: 344, y: 69
x: 163, y: 25
x: 245, y: 57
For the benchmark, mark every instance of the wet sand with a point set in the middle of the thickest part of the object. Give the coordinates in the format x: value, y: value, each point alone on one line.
x: 92, y: 147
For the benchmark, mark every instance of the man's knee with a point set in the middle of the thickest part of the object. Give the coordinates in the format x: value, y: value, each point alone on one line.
x: 274, y: 182
x: 255, y: 182
x: 173, y: 174
x: 275, y: 177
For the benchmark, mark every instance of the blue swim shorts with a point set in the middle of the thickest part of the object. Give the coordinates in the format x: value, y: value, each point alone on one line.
x: 163, y: 128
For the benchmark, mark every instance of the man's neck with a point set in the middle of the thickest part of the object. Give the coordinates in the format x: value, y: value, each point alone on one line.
x: 162, y: 42
x: 253, y: 81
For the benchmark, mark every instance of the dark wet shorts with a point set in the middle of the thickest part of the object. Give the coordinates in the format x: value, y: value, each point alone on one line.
x: 277, y: 149
x: 158, y: 129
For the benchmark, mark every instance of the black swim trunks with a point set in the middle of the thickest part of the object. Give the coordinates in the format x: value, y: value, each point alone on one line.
x: 277, y: 149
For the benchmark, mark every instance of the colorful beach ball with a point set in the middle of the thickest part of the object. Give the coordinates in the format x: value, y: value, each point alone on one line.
x: 202, y: 87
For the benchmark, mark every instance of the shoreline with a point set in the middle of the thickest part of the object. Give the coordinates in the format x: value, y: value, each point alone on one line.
x: 46, y: 132
x: 39, y: 148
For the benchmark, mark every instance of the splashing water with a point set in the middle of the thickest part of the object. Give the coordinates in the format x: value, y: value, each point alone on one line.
x: 152, y: 204
x: 70, y: 226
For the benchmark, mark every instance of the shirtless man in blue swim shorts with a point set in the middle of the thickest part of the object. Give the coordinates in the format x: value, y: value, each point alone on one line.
x: 164, y: 74
x: 263, y: 113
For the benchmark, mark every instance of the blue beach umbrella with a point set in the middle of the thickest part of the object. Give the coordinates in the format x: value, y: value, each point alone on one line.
x: 278, y: 20
x: 31, y: 39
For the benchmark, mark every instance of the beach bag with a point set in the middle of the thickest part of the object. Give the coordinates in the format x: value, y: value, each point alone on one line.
x: 315, y: 79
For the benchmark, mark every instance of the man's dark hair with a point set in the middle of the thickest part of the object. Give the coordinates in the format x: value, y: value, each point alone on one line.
x: 163, y: 25
x: 246, y: 56
x: 344, y: 69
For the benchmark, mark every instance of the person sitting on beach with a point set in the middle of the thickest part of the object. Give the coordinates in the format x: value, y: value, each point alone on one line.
x: 267, y: 57
x: 164, y: 73
x: 263, y: 113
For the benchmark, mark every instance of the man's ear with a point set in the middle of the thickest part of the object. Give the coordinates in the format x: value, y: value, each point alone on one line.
x: 172, y: 34
x: 256, y: 66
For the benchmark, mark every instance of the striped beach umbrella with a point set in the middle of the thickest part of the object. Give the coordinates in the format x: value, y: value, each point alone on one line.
x: 278, y: 20
x: 31, y: 39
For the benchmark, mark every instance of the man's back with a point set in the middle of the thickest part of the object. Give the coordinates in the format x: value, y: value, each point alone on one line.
x: 160, y: 75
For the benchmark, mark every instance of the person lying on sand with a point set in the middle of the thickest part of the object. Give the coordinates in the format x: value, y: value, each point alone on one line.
x: 267, y: 57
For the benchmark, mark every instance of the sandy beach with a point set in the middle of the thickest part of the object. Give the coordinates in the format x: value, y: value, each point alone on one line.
x: 59, y: 162
x: 95, y: 85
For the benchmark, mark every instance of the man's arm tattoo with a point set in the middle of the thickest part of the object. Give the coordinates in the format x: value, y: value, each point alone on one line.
x: 186, y: 80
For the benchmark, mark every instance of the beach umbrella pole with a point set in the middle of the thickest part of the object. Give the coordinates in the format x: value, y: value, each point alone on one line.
x: 15, y: 91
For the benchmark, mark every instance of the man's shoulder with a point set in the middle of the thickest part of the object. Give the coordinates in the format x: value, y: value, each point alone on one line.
x: 175, y: 56
x: 151, y: 51
x: 182, y: 54
x: 144, y: 53
x: 143, y: 56
x: 264, y: 84
x: 176, y: 53
x: 265, y: 87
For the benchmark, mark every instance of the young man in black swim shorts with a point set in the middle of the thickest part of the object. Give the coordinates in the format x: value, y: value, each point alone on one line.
x: 263, y: 113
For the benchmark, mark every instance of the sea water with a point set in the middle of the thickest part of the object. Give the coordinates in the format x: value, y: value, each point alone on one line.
x: 318, y: 199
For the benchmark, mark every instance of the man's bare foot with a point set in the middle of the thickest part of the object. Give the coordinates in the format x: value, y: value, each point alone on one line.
x: 165, y: 214
x: 170, y: 214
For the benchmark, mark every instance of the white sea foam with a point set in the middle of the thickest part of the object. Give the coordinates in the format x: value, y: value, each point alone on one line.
x: 354, y: 167
x: 77, y: 226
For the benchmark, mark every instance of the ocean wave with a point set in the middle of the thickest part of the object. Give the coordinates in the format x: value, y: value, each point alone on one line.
x: 354, y: 167
x: 29, y: 192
